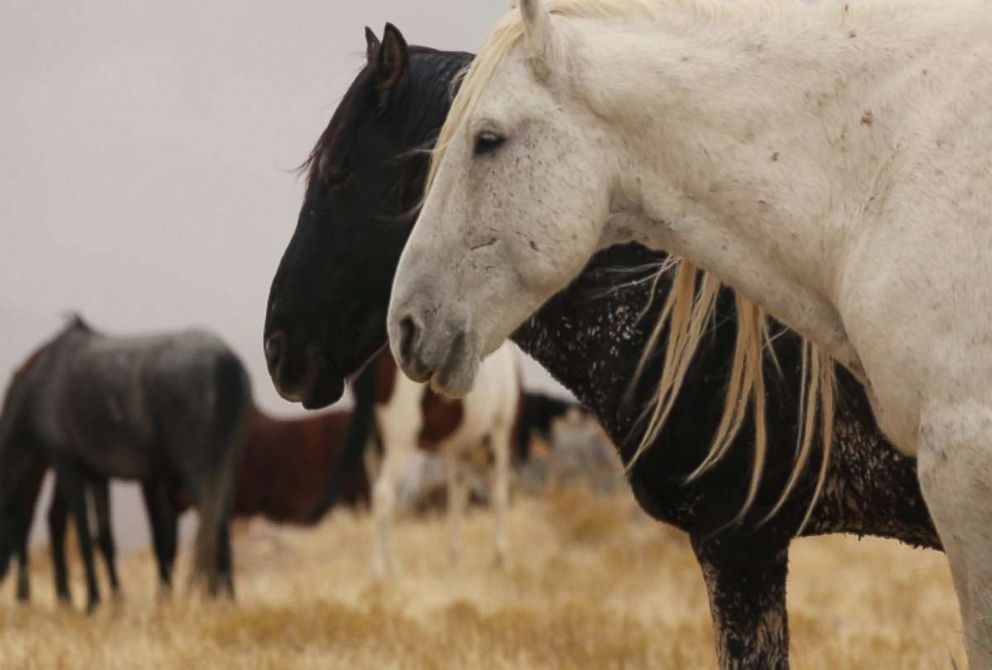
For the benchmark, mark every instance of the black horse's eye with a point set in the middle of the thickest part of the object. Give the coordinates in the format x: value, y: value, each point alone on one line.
x: 487, y: 142
x: 338, y: 179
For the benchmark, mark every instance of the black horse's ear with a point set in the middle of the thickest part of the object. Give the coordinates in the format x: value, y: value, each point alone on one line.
x: 371, y: 45
x: 392, y: 65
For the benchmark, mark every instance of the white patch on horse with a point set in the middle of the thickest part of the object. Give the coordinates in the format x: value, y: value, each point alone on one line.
x: 488, y: 415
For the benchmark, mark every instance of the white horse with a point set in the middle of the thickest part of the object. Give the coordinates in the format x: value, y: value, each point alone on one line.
x: 833, y: 163
x: 410, y: 416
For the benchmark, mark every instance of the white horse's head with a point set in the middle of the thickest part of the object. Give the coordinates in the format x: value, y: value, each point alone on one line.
x: 518, y: 200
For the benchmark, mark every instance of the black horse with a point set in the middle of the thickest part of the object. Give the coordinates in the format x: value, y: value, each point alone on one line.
x: 326, y: 317
x: 166, y: 410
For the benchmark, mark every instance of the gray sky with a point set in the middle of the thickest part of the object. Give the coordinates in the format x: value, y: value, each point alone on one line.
x: 146, y: 148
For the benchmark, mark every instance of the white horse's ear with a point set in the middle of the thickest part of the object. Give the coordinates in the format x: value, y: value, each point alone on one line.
x: 541, y: 37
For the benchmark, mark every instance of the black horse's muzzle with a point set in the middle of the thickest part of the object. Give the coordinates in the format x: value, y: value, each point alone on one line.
x: 300, y: 371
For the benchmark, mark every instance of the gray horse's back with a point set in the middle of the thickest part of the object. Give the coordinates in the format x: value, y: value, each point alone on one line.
x: 136, y: 404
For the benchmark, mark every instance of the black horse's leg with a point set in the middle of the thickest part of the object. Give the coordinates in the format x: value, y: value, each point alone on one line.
x: 164, y: 521
x: 746, y: 586
x: 57, y: 516
x: 23, y: 579
x: 100, y: 490
x: 74, y: 489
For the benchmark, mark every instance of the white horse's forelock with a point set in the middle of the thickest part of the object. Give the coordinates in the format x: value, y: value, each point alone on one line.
x: 691, y: 303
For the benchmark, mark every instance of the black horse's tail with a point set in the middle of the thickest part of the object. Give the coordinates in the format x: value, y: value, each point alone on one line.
x: 213, y: 560
x: 352, y: 459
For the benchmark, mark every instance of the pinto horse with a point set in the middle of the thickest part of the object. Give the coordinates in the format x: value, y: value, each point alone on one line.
x: 161, y: 409
x: 366, y: 175
x: 411, y: 416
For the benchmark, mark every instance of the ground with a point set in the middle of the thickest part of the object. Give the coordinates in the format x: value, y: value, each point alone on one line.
x: 592, y: 584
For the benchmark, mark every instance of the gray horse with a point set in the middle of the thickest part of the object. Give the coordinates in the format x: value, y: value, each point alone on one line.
x: 169, y: 411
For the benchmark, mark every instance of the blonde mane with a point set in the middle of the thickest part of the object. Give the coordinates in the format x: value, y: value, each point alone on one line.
x: 690, y: 306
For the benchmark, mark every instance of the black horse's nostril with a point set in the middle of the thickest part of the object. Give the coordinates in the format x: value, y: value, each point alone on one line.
x: 274, y: 345
x: 409, y: 335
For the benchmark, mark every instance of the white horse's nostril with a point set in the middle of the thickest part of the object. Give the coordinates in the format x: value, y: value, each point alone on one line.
x: 409, y: 338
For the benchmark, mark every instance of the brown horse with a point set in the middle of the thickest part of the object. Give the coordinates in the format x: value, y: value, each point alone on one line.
x: 285, y: 470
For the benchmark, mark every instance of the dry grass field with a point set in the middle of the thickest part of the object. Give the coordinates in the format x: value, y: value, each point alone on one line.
x: 592, y: 584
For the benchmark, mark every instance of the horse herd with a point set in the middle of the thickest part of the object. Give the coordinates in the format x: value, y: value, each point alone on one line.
x: 830, y: 164
x: 174, y: 412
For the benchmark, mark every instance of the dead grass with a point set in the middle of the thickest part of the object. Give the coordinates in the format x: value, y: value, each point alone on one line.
x: 591, y: 584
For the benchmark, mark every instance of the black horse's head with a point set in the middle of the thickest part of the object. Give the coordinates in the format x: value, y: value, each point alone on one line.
x: 327, y: 307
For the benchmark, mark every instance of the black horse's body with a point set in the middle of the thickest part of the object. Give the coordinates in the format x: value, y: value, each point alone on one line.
x: 166, y: 410
x: 590, y: 337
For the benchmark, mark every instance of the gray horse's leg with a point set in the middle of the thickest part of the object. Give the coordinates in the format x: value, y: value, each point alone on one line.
x: 73, y: 487
x: 57, y: 516
x: 164, y: 522
x: 100, y: 491
x: 33, y: 489
x: 746, y: 587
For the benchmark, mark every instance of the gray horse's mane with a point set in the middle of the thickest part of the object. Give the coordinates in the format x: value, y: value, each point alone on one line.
x: 75, y: 321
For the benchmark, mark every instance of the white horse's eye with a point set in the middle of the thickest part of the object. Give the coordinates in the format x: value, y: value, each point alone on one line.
x: 486, y: 142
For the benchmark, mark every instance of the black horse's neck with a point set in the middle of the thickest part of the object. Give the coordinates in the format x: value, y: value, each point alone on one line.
x: 589, y: 335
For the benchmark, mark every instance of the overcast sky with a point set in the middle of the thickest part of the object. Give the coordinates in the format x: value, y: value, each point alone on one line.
x: 146, y: 153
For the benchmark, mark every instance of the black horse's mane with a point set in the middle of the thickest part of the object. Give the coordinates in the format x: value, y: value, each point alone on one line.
x: 431, y: 74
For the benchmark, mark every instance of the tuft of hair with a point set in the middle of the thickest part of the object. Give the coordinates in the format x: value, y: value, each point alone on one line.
x: 689, y: 308
x: 75, y: 321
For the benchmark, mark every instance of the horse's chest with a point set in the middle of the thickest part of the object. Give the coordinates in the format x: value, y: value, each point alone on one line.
x: 441, y: 419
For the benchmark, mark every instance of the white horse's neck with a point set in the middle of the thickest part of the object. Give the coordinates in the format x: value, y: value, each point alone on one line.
x: 755, y: 144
